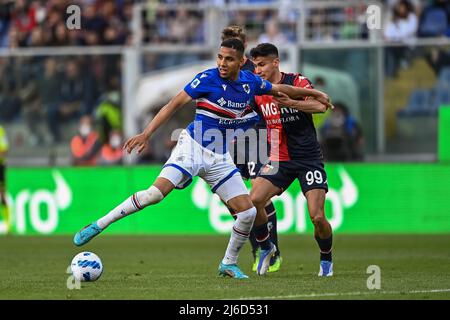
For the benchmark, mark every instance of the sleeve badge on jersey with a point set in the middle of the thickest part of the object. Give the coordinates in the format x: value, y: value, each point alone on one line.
x: 263, y: 84
x: 246, y: 88
x: 195, y: 83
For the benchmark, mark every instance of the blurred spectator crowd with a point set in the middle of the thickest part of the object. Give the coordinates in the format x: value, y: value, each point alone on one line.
x: 409, y: 19
x: 37, y: 23
x: 50, y: 93
x: 402, y: 20
x: 89, y: 148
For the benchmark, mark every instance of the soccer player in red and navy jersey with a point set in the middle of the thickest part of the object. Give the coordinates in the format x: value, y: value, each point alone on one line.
x: 295, y: 153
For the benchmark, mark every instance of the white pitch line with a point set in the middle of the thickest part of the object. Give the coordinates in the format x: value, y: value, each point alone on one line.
x: 336, y: 294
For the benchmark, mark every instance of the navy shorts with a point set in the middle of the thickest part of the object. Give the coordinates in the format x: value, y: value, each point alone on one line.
x: 250, y: 169
x: 249, y: 157
x: 311, y: 174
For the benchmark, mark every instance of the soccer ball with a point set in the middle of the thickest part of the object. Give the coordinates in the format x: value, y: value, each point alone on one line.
x: 86, y: 266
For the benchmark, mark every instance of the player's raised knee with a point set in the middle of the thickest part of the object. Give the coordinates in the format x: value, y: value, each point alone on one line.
x: 247, y: 216
x: 258, y: 199
x: 150, y: 196
x: 240, y: 203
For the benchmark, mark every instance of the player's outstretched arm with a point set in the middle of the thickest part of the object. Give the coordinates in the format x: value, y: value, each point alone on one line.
x: 296, y: 93
x: 308, y: 106
x: 140, y: 141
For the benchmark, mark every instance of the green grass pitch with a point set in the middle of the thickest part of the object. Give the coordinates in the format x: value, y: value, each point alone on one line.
x: 185, y: 267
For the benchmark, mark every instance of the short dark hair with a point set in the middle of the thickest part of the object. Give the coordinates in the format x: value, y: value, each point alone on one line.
x: 264, y: 50
x: 234, y: 43
x: 234, y: 31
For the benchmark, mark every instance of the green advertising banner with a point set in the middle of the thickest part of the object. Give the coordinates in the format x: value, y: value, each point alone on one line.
x: 444, y: 133
x: 363, y: 198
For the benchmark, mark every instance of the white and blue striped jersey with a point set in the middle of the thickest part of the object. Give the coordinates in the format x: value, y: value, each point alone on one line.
x: 222, y: 106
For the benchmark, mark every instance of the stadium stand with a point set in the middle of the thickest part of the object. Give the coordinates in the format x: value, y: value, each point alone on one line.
x: 37, y: 49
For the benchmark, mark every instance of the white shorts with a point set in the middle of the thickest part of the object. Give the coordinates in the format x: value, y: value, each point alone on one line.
x: 189, y: 159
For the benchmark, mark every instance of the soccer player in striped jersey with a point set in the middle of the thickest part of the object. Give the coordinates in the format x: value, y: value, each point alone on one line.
x: 295, y: 154
x: 222, y: 99
x: 246, y: 157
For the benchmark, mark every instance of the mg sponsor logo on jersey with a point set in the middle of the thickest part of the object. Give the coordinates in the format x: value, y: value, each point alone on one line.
x: 271, y: 109
x: 40, y: 207
x: 295, y: 212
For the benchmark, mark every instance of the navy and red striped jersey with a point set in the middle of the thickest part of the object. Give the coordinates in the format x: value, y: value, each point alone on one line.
x: 293, y: 130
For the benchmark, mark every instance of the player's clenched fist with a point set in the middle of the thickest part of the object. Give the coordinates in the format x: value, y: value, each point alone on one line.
x: 139, y: 141
x: 323, y: 98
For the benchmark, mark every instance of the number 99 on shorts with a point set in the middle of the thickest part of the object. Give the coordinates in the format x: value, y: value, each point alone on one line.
x: 314, y: 176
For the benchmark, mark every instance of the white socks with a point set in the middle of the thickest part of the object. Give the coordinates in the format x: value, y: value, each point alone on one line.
x: 239, y: 235
x: 136, y: 202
